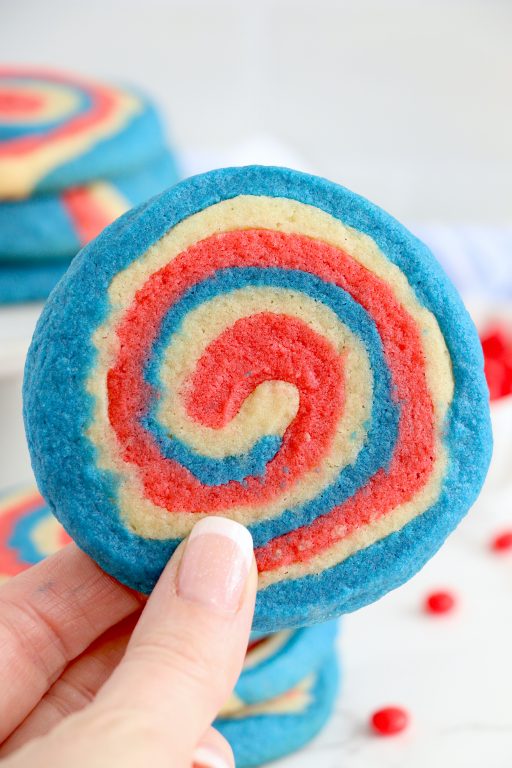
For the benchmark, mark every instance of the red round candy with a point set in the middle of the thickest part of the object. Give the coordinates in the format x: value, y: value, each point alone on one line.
x: 389, y: 720
x: 495, y: 375
x: 440, y: 602
x: 502, y: 542
x: 494, y: 343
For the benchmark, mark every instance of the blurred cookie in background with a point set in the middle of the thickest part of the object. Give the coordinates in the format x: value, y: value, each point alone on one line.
x: 28, y: 531
x: 74, y: 155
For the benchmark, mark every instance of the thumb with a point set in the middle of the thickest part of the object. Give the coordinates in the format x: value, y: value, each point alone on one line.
x: 187, y: 650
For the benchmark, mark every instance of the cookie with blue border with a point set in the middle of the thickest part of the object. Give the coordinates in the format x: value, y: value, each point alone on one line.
x: 277, y: 662
x: 29, y: 281
x: 275, y: 728
x: 265, y: 345
x: 28, y: 531
x: 58, y: 131
x: 59, y: 225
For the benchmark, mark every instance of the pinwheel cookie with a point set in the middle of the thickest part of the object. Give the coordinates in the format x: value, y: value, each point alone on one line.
x: 28, y: 531
x: 57, y: 131
x: 265, y: 345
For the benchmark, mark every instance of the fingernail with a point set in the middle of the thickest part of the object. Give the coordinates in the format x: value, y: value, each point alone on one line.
x: 215, y: 564
x: 204, y: 757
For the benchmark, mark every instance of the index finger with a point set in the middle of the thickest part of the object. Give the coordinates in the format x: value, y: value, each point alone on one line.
x: 48, y: 616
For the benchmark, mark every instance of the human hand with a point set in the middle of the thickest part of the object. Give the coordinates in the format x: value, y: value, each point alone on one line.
x: 94, y: 675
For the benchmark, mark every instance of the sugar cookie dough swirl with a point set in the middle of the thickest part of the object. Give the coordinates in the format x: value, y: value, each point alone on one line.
x: 273, y: 349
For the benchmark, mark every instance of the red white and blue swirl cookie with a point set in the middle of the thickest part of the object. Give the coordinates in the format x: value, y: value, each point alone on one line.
x: 58, y: 131
x: 28, y: 531
x: 265, y: 345
x: 265, y: 731
x: 59, y: 225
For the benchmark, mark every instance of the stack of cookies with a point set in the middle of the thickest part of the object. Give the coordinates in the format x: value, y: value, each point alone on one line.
x: 74, y: 155
x: 284, y: 696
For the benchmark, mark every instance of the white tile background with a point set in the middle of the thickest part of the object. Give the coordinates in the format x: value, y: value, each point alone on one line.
x: 406, y: 101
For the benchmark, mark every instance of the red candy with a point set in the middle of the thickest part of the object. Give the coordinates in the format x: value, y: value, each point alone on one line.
x: 439, y: 602
x: 502, y: 542
x: 497, y: 349
x: 389, y: 721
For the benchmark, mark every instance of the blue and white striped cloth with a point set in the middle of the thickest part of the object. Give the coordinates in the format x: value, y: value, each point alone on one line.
x: 477, y: 258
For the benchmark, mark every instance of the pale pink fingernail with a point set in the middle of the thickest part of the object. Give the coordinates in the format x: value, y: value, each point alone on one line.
x: 215, y: 564
x: 205, y: 757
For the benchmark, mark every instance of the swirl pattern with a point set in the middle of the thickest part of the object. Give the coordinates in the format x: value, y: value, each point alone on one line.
x: 54, y: 130
x: 28, y: 531
x: 271, y: 380
x: 266, y: 360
